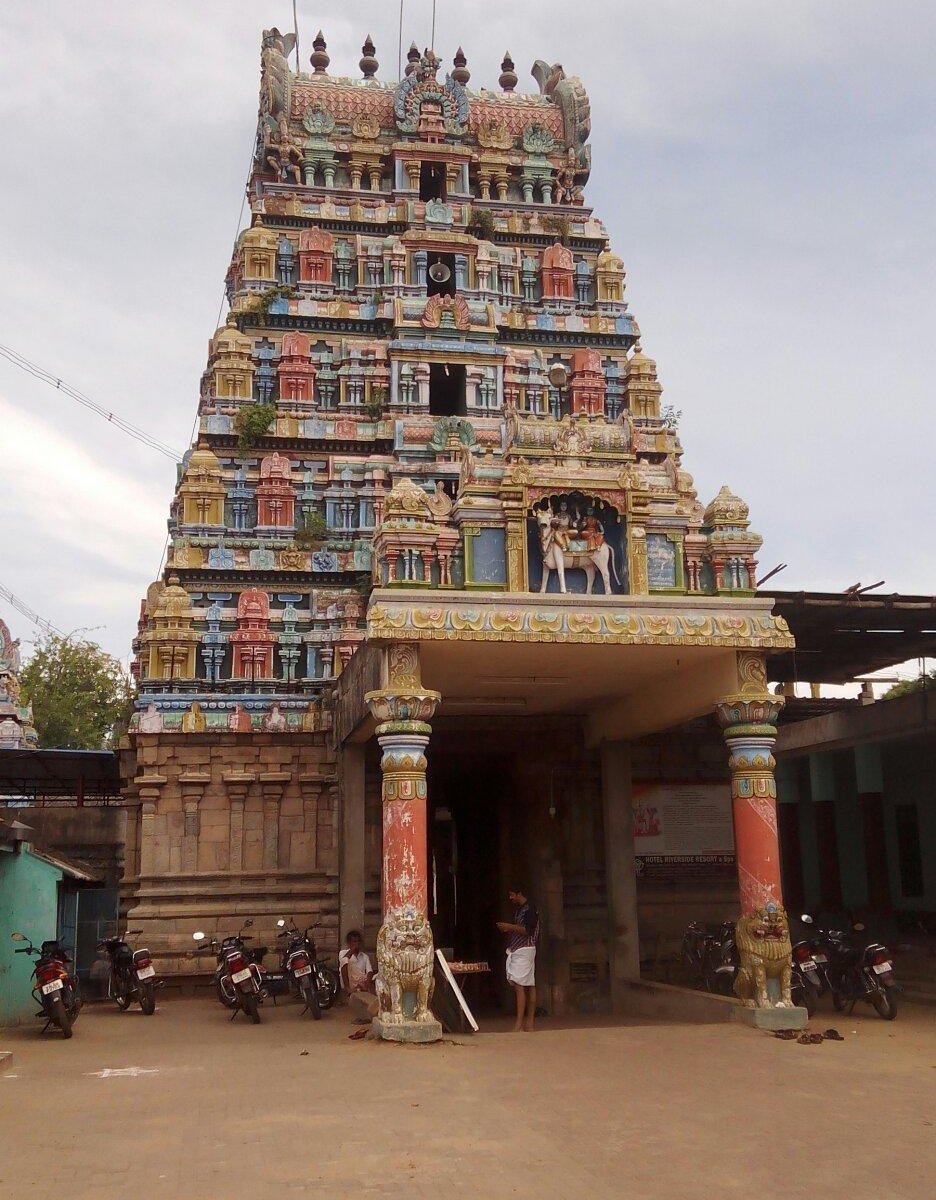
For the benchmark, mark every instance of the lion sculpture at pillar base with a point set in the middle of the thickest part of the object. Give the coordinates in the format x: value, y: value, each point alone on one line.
x: 763, y: 941
x: 405, y: 962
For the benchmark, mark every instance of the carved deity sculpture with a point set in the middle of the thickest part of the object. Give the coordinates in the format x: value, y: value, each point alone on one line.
x: 239, y: 721
x: 572, y: 440
x: 151, y: 721
x: 282, y: 155
x: 763, y: 940
x: 193, y: 720
x: 404, y: 960
x: 567, y: 190
x: 275, y: 720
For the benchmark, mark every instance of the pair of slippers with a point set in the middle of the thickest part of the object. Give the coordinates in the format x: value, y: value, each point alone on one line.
x: 809, y: 1039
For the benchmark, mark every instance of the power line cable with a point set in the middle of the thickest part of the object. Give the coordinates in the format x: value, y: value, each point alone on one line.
x: 134, y: 431
x: 24, y: 609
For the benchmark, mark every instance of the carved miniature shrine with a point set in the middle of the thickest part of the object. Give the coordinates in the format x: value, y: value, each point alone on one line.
x: 429, y: 385
x: 17, y: 731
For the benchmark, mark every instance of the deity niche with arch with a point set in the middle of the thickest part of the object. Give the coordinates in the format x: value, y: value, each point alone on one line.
x: 576, y: 544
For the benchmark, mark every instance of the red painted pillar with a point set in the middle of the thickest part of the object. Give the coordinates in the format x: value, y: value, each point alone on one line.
x: 749, y: 725
x: 404, y: 821
x: 405, y: 955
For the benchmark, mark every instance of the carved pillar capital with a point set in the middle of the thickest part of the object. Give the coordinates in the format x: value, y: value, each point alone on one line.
x: 402, y: 704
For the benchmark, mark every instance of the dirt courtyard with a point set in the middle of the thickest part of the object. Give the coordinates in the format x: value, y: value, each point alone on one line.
x: 217, y: 1110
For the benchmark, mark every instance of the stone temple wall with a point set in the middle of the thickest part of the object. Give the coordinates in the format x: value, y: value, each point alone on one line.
x: 225, y: 827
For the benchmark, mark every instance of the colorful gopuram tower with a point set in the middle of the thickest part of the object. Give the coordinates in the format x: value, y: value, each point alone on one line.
x: 427, y: 416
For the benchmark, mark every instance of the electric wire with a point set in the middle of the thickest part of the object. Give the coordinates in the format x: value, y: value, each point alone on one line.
x: 240, y: 217
x: 134, y: 431
x: 24, y: 609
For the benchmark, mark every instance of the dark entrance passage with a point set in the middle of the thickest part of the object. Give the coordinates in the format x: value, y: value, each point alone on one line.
x: 469, y: 857
x: 447, y: 389
x: 514, y: 802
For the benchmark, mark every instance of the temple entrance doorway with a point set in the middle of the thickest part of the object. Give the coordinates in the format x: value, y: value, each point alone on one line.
x: 515, y: 802
x: 469, y: 862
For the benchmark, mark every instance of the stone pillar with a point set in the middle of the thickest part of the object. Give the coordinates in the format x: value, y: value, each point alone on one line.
x: 271, y: 788
x: 351, y: 871
x: 149, y: 788
x: 193, y: 785
x: 236, y: 784
x: 748, y: 721
x: 620, y: 869
x: 405, y: 953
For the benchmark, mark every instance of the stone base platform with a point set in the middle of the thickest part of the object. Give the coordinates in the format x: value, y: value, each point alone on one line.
x: 771, y: 1018
x: 410, y: 1032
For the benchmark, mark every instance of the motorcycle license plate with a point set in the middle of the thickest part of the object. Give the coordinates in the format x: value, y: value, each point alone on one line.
x: 54, y: 986
x: 882, y: 968
x: 304, y: 971
x: 146, y: 972
x: 240, y: 976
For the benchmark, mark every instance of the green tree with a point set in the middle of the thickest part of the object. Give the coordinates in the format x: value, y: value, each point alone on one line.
x: 922, y: 683
x: 81, y: 696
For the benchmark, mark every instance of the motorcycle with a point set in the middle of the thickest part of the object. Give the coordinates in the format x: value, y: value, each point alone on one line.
x: 807, y: 981
x: 56, y: 988
x: 710, y: 952
x: 315, y: 983
x: 132, y: 974
x: 238, y: 979
x: 860, y: 969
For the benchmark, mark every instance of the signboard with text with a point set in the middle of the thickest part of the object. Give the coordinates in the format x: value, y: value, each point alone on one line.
x: 683, y: 832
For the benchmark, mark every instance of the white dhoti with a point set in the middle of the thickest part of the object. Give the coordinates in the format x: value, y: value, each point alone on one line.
x: 521, y: 966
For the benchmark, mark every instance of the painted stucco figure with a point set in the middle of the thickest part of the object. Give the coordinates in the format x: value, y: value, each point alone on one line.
x: 405, y: 961
x: 763, y: 940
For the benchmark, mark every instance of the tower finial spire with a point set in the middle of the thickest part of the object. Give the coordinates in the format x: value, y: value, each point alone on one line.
x: 508, y: 76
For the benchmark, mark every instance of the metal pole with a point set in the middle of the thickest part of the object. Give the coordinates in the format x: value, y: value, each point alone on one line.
x: 296, y: 32
x: 399, y: 64
x: 432, y: 39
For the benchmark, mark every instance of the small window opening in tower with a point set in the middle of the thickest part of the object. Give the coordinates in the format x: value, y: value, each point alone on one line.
x: 440, y: 280
x: 447, y: 389
x: 432, y: 181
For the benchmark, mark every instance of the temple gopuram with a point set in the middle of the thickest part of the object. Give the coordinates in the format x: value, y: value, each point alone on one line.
x: 442, y: 612
x: 17, y: 731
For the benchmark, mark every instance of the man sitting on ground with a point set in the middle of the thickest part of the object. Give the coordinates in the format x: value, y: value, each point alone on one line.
x: 357, y: 974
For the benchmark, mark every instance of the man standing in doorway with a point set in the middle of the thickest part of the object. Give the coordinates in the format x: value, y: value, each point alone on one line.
x: 522, y: 935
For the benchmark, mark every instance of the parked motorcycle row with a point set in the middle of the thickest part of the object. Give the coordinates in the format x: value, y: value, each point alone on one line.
x: 241, y: 980
x: 845, y: 964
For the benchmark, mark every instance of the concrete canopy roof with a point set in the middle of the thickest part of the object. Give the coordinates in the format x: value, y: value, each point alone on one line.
x: 630, y: 665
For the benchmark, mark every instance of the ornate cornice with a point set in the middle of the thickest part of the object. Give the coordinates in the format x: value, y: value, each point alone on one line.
x: 621, y: 620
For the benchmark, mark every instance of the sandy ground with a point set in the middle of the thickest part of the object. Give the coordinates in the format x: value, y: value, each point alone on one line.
x: 289, y: 1107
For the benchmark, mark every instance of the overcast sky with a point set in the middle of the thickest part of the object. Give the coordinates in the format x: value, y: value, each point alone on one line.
x: 765, y: 170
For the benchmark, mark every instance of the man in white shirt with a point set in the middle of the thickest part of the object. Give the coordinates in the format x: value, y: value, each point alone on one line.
x: 357, y: 973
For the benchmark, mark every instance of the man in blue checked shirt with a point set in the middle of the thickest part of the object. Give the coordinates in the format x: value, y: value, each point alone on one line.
x: 522, y: 936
